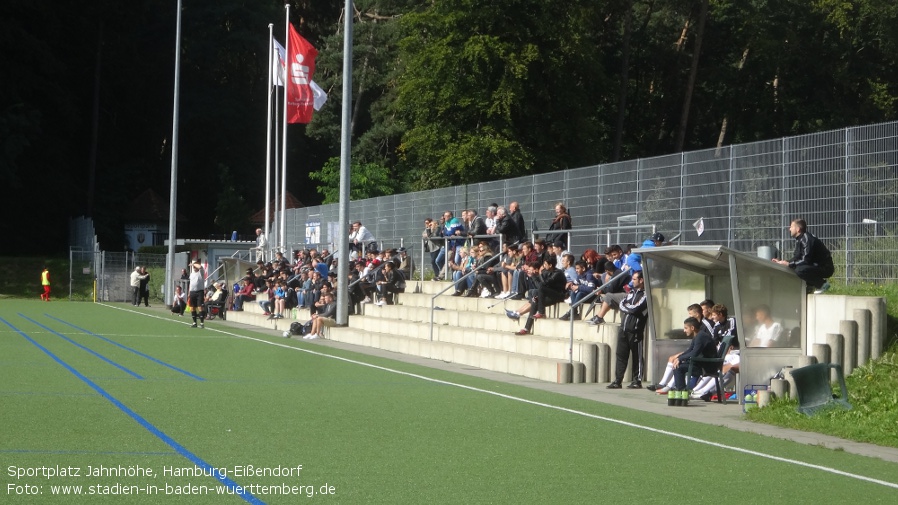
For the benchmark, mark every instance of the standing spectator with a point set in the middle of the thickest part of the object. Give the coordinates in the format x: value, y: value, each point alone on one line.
x: 144, y: 287
x: 261, y: 244
x: 184, y: 275
x: 196, y: 294
x: 453, y: 230
x: 432, y: 244
x: 506, y: 227
x: 45, y: 282
x: 812, y: 261
x: 359, y: 238
x: 136, y: 277
x: 561, y: 222
x: 630, y: 335
x: 514, y: 212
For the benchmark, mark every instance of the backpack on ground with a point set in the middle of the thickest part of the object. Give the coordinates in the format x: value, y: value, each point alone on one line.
x: 297, y: 328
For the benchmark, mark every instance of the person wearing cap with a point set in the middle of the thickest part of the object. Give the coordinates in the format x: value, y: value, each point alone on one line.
x: 561, y: 222
x: 634, y: 260
x: 406, y: 263
x: 215, y: 296
x: 195, y: 295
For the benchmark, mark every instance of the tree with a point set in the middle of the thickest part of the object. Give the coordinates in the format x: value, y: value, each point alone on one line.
x: 367, y: 180
x: 494, y: 89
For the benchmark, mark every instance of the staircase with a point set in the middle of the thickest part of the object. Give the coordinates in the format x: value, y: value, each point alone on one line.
x: 469, y: 331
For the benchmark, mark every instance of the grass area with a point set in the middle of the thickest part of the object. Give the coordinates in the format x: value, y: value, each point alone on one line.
x: 21, y: 277
x: 872, y: 390
x: 371, y: 429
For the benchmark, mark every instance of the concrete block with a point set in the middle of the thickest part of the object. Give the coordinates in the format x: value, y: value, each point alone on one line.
x: 565, y: 373
x: 590, y: 357
x: 603, y: 364
x: 836, y: 345
x: 822, y: 352
x: 848, y: 329
x: 863, y: 318
x: 579, y: 373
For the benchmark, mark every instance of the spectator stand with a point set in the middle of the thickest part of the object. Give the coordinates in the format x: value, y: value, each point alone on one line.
x: 453, y: 285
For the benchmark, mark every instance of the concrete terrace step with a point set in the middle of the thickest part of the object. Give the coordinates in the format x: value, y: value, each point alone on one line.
x: 534, y: 367
x: 542, y: 346
x: 488, y: 321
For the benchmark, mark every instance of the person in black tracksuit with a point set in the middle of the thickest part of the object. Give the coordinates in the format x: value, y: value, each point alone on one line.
x: 703, y: 345
x: 630, y: 336
x: 811, y: 261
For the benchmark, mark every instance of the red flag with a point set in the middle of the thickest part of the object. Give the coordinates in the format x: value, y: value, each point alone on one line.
x: 301, y: 68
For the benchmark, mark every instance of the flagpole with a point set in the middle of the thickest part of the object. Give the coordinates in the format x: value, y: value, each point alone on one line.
x: 345, y: 155
x: 173, y: 197
x: 268, y: 139
x: 282, y: 237
x: 277, y: 164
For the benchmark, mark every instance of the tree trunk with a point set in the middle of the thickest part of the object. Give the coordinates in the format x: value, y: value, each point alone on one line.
x: 690, y: 84
x: 624, y: 83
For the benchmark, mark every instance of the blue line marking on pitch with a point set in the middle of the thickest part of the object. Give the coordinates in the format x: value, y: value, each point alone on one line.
x: 104, y: 358
x: 180, y: 449
x: 135, y: 351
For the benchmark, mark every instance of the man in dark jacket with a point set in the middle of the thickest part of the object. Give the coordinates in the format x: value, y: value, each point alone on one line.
x: 630, y: 336
x: 703, y: 345
x: 811, y: 261
x: 549, y: 290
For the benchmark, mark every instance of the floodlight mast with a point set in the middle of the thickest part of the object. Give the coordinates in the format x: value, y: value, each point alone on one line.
x: 173, y: 197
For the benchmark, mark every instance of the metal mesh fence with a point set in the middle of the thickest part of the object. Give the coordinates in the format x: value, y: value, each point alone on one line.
x: 843, y: 182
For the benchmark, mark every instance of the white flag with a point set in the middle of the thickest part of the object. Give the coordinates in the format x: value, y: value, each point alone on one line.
x: 699, y: 226
x: 319, y: 95
x: 277, y: 65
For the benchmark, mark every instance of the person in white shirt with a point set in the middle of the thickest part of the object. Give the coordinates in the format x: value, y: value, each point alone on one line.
x: 768, y: 333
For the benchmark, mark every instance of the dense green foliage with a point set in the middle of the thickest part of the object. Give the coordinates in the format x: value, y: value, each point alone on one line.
x: 443, y: 93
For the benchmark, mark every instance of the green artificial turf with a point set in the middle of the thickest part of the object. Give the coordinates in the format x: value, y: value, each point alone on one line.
x: 370, y: 435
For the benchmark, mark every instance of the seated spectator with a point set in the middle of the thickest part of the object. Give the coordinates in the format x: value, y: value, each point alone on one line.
x: 246, y: 294
x: 359, y: 239
x: 485, y: 280
x: 667, y: 381
x: 768, y: 333
x: 724, y: 326
x: 266, y: 301
x: 702, y: 346
x: 406, y: 263
x: 459, y: 270
x: 279, y: 295
x: 179, y: 301
x: 549, y: 291
x: 324, y: 318
x: 215, y: 296
x: 707, y: 385
x: 389, y: 284
x: 580, y: 288
x: 612, y: 294
x: 509, y: 264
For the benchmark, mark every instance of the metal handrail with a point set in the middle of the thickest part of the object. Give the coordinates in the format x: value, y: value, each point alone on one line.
x: 606, y: 229
x: 453, y: 284
x: 589, y: 298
